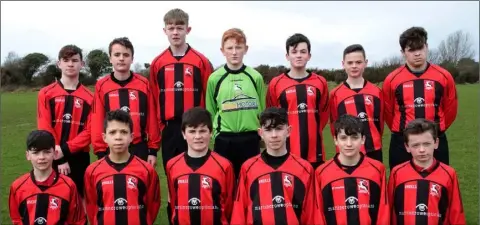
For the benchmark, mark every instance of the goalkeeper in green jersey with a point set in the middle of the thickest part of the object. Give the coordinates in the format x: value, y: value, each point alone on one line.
x: 235, y: 97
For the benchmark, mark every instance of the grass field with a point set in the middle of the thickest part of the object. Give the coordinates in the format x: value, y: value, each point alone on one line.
x: 18, y: 118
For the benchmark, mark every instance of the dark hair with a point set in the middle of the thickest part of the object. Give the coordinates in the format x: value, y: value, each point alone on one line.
x: 120, y: 116
x: 349, y: 124
x: 420, y: 126
x: 68, y: 51
x: 414, y: 37
x: 195, y: 117
x: 273, y: 117
x: 39, y: 140
x: 296, y: 39
x: 354, y: 48
x: 123, y: 41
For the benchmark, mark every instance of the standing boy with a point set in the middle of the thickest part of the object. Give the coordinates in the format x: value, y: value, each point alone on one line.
x: 351, y: 188
x: 359, y: 97
x: 121, y: 188
x: 200, y: 181
x: 64, y: 109
x: 304, y: 95
x: 275, y: 187
x: 418, y: 89
x: 130, y: 92
x: 423, y: 190
x: 43, y: 196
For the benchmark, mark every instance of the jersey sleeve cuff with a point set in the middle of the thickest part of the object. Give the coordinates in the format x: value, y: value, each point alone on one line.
x: 66, y: 150
x: 152, y: 151
x: 61, y: 161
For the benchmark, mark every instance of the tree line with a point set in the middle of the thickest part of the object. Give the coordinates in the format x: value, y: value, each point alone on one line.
x: 455, y: 53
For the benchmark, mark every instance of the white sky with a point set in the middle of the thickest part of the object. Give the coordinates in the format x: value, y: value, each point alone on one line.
x: 47, y: 26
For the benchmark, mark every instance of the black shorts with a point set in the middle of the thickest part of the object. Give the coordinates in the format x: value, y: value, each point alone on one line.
x: 173, y: 142
x: 78, y: 163
x: 237, y: 147
x: 398, y: 153
x: 377, y: 155
x: 140, y: 150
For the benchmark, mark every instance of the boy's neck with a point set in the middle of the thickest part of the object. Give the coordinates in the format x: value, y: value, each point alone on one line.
x: 276, y: 153
x: 298, y: 73
x: 121, y: 76
x: 355, y: 82
x: 69, y: 83
x: 179, y: 50
x: 42, y: 175
x: 197, y: 154
x: 417, y: 69
x: 234, y: 67
x: 349, y: 161
x: 119, y: 157
x: 423, y: 165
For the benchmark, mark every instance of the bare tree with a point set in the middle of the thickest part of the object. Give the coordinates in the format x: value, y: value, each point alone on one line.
x: 434, y: 56
x: 458, y: 45
x: 137, y: 67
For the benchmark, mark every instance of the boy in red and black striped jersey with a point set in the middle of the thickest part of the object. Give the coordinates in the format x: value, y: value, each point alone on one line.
x: 418, y: 89
x: 64, y: 109
x: 200, y: 181
x: 130, y: 92
x: 121, y: 188
x: 304, y: 95
x: 423, y: 190
x: 275, y: 187
x: 351, y: 188
x: 178, y: 77
x: 43, y: 196
x: 359, y: 97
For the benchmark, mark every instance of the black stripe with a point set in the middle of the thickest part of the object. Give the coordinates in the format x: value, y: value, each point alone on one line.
x: 100, y: 204
x: 399, y: 205
x: 197, y: 86
x: 216, y: 197
x: 418, y: 94
x: 377, y: 113
x: 278, y: 197
x: 401, y: 107
x: 360, y: 106
x: 284, y: 105
x: 83, y: 119
x: 161, y: 97
x: 438, y: 97
x: 319, y: 153
x: 41, y: 209
x: 251, y: 79
x: 52, y: 111
x: 179, y: 95
x: 175, y: 187
x: 120, y: 196
x: 194, y: 198
x: 351, y: 197
x: 23, y: 211
x: 142, y: 191
x: 256, y: 203
x: 443, y: 205
x: 341, y: 109
x: 329, y: 204
x: 124, y: 99
x: 66, y: 125
x: 302, y: 104
x: 106, y: 99
x: 423, y: 190
x: 298, y: 197
x: 217, y: 87
x: 143, y: 106
x: 375, y: 194
x: 64, y: 211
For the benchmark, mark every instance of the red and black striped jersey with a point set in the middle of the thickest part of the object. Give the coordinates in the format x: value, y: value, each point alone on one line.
x: 366, y: 104
x: 67, y: 115
x: 274, y: 195
x: 352, y: 195
x: 431, y: 95
x: 202, y: 195
x: 133, y: 96
x: 179, y: 83
x: 306, y: 102
x: 127, y: 193
x: 425, y: 197
x: 59, y: 203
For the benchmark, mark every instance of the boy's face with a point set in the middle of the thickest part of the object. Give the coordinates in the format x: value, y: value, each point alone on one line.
x: 41, y: 160
x: 275, y: 137
x: 176, y: 34
x: 198, y: 138
x: 299, y: 56
x: 349, y: 145
x: 71, y: 67
x: 421, y: 146
x: 354, y: 64
x: 121, y: 58
x: 118, y: 136
x: 234, y: 51
x: 417, y: 57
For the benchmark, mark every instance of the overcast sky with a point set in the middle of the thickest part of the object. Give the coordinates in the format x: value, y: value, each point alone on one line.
x: 331, y: 26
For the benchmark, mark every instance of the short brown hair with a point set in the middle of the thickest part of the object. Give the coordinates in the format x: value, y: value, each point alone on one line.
x: 235, y: 33
x: 68, y: 51
x: 420, y: 126
x: 414, y: 37
x: 123, y: 41
x: 196, y: 116
x: 176, y: 16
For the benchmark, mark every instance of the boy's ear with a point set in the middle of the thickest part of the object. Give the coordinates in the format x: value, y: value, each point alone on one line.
x: 363, y: 139
x: 27, y: 155
x: 407, y: 148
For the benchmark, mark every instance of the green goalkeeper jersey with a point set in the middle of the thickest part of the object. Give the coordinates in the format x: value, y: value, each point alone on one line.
x: 235, y: 99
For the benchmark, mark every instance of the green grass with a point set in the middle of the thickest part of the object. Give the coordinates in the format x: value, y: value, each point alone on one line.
x: 18, y: 118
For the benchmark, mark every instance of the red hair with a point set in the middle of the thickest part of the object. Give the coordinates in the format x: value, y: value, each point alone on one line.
x: 236, y: 34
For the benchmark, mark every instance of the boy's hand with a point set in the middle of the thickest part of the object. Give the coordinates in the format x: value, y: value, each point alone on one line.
x: 64, y: 169
x: 152, y: 160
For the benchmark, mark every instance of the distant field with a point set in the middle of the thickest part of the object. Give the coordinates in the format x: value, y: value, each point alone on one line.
x: 18, y: 118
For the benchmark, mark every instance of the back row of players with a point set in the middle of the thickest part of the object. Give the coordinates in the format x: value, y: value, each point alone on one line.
x: 116, y: 191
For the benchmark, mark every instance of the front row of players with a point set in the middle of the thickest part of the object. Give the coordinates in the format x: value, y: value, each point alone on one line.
x: 274, y: 187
